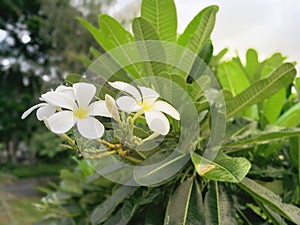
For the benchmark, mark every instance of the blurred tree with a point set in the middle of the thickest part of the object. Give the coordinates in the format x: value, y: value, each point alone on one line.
x: 40, y: 41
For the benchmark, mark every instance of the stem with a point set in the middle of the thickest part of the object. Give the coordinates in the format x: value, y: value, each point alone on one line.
x: 100, y: 156
x: 137, y: 115
x: 132, y: 159
x: 110, y: 145
x: 69, y: 140
x: 95, y: 150
x: 149, y: 138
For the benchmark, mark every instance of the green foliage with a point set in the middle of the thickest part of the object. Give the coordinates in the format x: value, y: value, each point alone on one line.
x: 212, y: 187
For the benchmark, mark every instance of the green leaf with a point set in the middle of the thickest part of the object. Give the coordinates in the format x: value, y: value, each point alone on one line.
x: 232, y: 77
x: 113, y: 33
x: 162, y: 15
x: 159, y: 167
x: 274, y: 217
x: 185, y: 205
x: 252, y: 64
x: 262, y: 89
x: 262, y: 138
x: 104, y: 210
x: 199, y: 29
x: 272, y: 106
x: 73, y: 78
x: 215, y: 60
x: 71, y: 182
x: 143, y: 31
x: 291, y: 118
x: 218, y: 205
x: 223, y: 168
x: 93, y: 30
x: 200, y: 66
x: 271, y: 200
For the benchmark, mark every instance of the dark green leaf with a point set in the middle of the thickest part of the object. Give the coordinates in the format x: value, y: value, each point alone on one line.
x: 185, y: 205
x: 271, y: 200
x: 218, y: 204
x: 104, y: 210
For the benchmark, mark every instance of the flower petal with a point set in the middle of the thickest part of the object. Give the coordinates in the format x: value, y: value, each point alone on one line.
x: 45, y: 112
x: 98, y: 108
x: 128, y: 88
x: 66, y: 90
x: 149, y: 93
x: 84, y: 93
x: 166, y: 108
x: 28, y: 111
x: 90, y: 128
x: 59, y: 99
x: 61, y: 122
x: 157, y: 122
x: 128, y: 104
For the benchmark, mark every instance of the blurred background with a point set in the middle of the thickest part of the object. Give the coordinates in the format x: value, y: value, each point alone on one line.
x: 41, y: 42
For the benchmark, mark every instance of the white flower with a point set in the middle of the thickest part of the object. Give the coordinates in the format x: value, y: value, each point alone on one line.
x: 144, y: 100
x: 46, y: 109
x: 77, y: 110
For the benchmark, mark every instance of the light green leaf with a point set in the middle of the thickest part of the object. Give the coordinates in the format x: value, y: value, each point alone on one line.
x: 252, y: 64
x: 162, y: 15
x: 199, y: 29
x: 104, y: 210
x: 93, y: 30
x: 223, y: 168
x: 113, y: 33
x: 185, y: 206
x: 272, y: 106
x: 271, y: 200
x: 262, y: 89
x: 232, y: 77
x: 218, y: 205
x: 215, y: 60
x: 291, y: 118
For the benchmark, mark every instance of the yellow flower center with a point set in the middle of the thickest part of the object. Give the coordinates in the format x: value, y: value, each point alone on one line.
x: 144, y: 105
x: 80, y: 113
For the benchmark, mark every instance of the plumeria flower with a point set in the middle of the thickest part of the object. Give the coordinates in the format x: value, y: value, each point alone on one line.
x: 77, y: 110
x: 46, y: 109
x: 144, y: 101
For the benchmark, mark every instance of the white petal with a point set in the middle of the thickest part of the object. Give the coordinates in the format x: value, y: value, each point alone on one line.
x: 128, y: 104
x: 28, y: 111
x: 61, y: 122
x: 166, y: 108
x: 157, y: 122
x: 98, y: 108
x: 149, y: 93
x: 45, y: 111
x: 84, y: 93
x: 128, y: 88
x: 59, y: 99
x: 66, y: 90
x: 90, y: 128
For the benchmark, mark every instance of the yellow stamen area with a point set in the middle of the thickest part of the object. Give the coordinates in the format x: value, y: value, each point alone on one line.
x: 144, y: 105
x: 80, y: 113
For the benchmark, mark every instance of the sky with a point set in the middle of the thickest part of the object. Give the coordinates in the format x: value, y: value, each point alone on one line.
x: 269, y: 26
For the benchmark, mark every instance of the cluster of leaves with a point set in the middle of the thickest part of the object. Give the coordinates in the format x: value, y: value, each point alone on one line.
x: 262, y: 115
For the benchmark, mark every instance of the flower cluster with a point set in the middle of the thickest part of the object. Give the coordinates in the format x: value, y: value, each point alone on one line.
x: 66, y: 107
